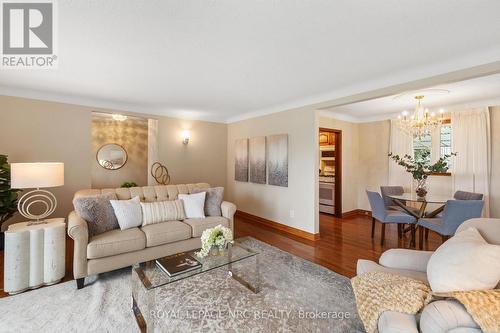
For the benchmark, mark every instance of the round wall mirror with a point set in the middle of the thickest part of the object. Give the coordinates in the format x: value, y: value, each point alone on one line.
x: 111, y: 156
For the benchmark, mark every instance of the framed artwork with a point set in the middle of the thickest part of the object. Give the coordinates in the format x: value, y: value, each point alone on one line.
x: 257, y: 157
x: 241, y: 160
x: 277, y: 160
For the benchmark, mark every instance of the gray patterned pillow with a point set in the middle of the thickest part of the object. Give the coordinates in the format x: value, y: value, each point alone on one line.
x: 98, y: 213
x: 213, y: 200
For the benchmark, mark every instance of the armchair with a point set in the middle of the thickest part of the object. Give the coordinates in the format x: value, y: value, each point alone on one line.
x: 437, y: 317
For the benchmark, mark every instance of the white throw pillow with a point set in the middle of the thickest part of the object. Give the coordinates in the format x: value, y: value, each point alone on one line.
x: 128, y: 212
x: 464, y: 262
x: 194, y: 204
x: 161, y: 211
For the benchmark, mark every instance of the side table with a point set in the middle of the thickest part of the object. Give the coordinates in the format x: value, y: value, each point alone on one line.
x: 34, y: 255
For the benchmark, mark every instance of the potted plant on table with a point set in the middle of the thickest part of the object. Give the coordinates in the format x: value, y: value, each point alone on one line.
x: 421, y: 169
x: 8, y: 196
x: 215, y: 241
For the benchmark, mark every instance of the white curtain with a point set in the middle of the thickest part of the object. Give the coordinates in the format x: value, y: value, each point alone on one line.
x: 400, y: 144
x: 152, y: 148
x: 435, y: 144
x: 471, y: 142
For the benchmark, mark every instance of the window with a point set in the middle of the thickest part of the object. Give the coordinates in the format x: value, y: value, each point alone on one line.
x: 445, y: 140
x: 430, y: 145
x: 421, y: 146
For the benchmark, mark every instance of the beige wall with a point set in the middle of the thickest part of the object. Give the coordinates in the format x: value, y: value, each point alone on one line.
x: 33, y: 130
x: 36, y: 131
x: 273, y: 202
x: 350, y: 160
x: 132, y: 135
x: 373, y: 160
x: 202, y: 160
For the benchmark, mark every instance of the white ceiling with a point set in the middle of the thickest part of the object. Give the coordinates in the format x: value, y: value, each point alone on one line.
x: 224, y: 60
x: 483, y: 91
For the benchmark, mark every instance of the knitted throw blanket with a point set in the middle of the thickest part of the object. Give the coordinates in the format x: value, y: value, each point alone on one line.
x: 377, y: 292
x: 482, y: 305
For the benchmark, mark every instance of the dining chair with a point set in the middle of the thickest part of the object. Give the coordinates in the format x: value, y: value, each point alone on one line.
x: 384, y: 216
x: 391, y: 190
x: 454, y: 214
x: 463, y: 195
x: 459, y: 195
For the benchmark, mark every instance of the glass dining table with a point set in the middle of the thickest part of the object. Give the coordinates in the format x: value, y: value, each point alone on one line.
x: 403, y: 200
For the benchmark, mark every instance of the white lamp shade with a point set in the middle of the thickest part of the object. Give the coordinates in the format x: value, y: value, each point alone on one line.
x: 36, y: 175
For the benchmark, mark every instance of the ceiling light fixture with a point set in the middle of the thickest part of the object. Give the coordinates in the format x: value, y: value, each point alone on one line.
x: 421, y: 122
x: 119, y: 117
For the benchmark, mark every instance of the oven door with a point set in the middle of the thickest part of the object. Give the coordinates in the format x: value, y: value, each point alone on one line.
x: 327, y: 194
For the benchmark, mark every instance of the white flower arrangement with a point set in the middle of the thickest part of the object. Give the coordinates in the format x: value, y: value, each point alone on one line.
x: 217, y: 236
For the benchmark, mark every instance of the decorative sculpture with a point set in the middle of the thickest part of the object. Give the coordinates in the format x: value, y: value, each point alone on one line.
x: 160, y: 173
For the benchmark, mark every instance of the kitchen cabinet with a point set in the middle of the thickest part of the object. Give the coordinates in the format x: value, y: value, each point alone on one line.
x: 326, y: 138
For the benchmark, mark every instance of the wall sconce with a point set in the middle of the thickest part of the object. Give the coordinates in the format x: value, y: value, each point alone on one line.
x: 185, y: 137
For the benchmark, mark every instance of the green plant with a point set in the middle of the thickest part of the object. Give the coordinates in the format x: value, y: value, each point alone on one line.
x: 8, y: 196
x: 129, y: 184
x: 420, y: 169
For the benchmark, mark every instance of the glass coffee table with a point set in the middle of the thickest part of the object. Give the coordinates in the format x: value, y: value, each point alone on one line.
x: 241, y: 263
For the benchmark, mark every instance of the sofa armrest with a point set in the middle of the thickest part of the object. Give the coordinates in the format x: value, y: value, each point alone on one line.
x: 406, y: 259
x: 228, y: 210
x: 79, y: 232
x: 445, y: 316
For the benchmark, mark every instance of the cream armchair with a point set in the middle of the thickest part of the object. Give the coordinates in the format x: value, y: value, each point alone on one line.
x: 116, y: 248
x: 437, y: 317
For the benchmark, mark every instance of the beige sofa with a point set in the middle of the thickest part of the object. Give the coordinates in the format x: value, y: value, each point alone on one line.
x: 116, y: 249
x: 437, y: 317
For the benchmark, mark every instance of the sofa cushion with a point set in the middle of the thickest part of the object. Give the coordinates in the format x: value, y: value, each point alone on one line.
x: 128, y: 212
x: 364, y: 266
x: 116, y: 242
x: 166, y: 232
x: 213, y: 200
x: 161, y: 211
x: 194, y: 204
x: 464, y: 262
x: 98, y: 212
x: 200, y: 225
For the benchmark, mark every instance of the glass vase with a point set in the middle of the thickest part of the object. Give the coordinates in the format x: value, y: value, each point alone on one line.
x: 421, y: 187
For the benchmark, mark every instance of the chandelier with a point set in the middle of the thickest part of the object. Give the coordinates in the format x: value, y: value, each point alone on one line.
x: 421, y: 122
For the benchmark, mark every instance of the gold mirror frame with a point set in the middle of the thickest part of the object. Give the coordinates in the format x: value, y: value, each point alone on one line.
x: 108, y: 165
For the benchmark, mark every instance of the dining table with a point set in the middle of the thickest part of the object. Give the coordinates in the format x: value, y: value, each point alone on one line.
x: 403, y: 200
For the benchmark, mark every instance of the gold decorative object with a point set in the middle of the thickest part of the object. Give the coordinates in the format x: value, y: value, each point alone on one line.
x: 421, y: 122
x: 160, y: 173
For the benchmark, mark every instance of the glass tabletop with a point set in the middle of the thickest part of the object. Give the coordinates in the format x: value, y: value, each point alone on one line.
x: 152, y: 276
x: 429, y: 198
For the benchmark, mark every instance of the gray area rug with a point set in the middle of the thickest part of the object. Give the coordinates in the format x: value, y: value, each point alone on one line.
x: 296, y: 296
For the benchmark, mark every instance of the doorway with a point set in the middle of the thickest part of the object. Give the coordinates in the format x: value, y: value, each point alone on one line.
x: 330, y: 171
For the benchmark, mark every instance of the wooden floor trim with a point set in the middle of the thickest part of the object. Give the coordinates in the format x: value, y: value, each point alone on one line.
x: 356, y: 213
x: 278, y: 226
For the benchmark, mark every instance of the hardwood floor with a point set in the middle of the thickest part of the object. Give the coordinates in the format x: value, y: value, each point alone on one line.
x: 342, y: 243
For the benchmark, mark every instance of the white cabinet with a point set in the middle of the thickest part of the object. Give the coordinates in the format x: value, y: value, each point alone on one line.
x: 34, y: 255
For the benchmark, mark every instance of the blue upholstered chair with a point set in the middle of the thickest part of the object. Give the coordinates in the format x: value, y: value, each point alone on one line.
x: 391, y: 190
x: 381, y: 214
x: 454, y: 214
x: 459, y: 195
x: 463, y: 195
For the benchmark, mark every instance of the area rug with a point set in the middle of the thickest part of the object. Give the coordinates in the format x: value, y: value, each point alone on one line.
x: 296, y: 296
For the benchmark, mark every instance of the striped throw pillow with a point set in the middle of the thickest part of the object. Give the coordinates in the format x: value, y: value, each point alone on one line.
x: 161, y: 211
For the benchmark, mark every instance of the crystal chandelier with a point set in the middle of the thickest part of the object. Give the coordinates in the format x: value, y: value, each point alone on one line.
x: 421, y: 122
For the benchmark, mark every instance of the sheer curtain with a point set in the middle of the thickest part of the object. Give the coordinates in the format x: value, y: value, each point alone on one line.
x: 400, y: 144
x: 471, y: 142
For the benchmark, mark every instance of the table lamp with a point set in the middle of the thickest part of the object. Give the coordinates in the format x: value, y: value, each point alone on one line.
x: 36, y: 175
